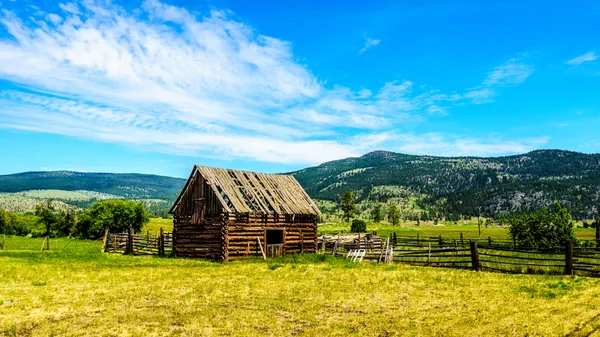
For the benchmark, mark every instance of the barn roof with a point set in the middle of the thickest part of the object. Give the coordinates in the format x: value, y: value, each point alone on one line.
x: 244, y: 191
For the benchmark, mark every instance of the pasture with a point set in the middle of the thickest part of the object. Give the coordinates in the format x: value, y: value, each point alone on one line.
x: 75, y: 290
x: 469, y: 230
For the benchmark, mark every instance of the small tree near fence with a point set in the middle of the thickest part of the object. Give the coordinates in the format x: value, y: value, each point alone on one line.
x: 116, y: 215
x: 358, y: 226
x: 376, y: 213
x: 546, y: 227
x: 393, y: 213
x: 348, y: 206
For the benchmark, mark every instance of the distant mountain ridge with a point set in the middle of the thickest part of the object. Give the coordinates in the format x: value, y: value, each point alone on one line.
x: 457, y: 185
x: 126, y: 185
x: 464, y: 185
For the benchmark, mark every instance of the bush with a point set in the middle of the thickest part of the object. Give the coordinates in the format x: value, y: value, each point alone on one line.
x: 117, y: 215
x: 9, y: 224
x: 358, y: 226
x: 544, y: 228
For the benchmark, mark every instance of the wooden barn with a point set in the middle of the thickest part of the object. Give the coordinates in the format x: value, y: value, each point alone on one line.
x: 226, y: 214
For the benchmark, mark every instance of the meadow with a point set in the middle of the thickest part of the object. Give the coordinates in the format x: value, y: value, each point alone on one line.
x: 74, y: 290
x: 447, y: 230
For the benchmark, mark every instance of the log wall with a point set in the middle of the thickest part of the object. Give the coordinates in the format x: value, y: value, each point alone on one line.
x: 230, y: 237
x: 204, y: 239
x: 244, y: 230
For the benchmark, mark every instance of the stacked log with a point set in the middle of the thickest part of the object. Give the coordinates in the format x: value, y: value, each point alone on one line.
x: 201, y: 240
x: 352, y: 241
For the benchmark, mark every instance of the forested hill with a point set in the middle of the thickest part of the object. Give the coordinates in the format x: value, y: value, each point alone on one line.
x: 126, y: 185
x: 464, y: 185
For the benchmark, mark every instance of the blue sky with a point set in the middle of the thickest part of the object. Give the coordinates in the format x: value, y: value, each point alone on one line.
x: 156, y: 86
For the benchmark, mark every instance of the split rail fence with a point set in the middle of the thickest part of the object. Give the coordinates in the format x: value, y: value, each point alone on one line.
x: 485, y: 255
x: 160, y: 244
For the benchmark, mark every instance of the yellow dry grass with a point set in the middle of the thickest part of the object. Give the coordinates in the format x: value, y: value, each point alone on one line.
x: 86, y: 293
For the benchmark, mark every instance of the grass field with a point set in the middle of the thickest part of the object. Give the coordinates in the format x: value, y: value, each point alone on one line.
x: 469, y: 230
x: 156, y: 224
x: 75, y: 290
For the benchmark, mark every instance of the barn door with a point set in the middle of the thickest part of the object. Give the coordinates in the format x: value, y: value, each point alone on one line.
x: 274, y: 241
x: 198, y: 211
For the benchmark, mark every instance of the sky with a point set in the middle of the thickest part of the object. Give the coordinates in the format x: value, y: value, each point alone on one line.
x: 275, y: 86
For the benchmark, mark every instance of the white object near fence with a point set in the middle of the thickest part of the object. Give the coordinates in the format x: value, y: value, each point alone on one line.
x: 356, y: 254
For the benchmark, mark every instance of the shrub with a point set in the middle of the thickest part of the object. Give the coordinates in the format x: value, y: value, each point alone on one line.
x: 358, y: 226
x: 117, y: 215
x: 546, y: 227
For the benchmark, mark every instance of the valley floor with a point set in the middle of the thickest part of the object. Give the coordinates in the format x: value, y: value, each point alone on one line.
x: 75, y: 290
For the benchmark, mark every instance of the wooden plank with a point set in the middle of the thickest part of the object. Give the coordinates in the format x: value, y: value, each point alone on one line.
x: 261, y: 249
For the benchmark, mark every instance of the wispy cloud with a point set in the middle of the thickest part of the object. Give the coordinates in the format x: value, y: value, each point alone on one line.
x: 206, y: 85
x: 438, y: 144
x: 587, y: 57
x: 513, y: 72
x: 369, y: 43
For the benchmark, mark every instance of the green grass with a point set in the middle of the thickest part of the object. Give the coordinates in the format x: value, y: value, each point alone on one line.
x: 85, y: 292
x: 156, y: 224
x: 469, y: 230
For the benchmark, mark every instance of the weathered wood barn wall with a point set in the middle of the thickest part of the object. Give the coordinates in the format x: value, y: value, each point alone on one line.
x: 221, y: 214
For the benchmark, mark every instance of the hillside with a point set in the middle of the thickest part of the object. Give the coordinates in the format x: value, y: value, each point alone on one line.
x: 126, y: 185
x: 464, y: 185
x: 75, y: 190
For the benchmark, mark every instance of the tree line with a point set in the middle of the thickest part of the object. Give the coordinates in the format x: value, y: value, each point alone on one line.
x: 548, y: 226
x: 116, y: 215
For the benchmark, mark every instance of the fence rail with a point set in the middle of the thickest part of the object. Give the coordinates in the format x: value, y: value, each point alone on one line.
x: 488, y: 254
x: 138, y: 244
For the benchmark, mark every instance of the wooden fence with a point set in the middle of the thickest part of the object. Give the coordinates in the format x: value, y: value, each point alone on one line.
x: 488, y: 255
x: 160, y: 244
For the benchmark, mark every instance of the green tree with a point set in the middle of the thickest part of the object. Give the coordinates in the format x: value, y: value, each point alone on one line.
x: 376, y: 213
x: 4, y: 224
x: 47, y: 216
x: 393, y: 213
x: 117, y: 215
x: 546, y: 227
x: 66, y: 224
x: 358, y: 226
x: 348, y: 206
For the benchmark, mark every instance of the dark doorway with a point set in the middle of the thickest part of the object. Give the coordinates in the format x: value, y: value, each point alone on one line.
x: 274, y: 236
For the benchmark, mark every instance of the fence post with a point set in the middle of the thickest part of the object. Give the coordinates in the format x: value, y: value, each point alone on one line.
x: 441, y: 242
x: 597, y: 234
x: 462, y: 241
x: 104, y: 241
x: 569, y: 258
x: 395, y: 240
x: 161, y: 243
x: 418, y: 241
x: 130, y: 241
x: 475, y: 256
x: 489, y: 241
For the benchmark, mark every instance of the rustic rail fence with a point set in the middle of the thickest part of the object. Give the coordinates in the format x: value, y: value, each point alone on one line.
x: 160, y: 244
x: 484, y: 254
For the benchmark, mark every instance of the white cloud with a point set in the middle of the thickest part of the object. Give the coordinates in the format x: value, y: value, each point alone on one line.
x: 437, y: 144
x: 166, y: 79
x: 587, y: 57
x: 369, y: 43
x: 436, y: 110
x: 513, y: 72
